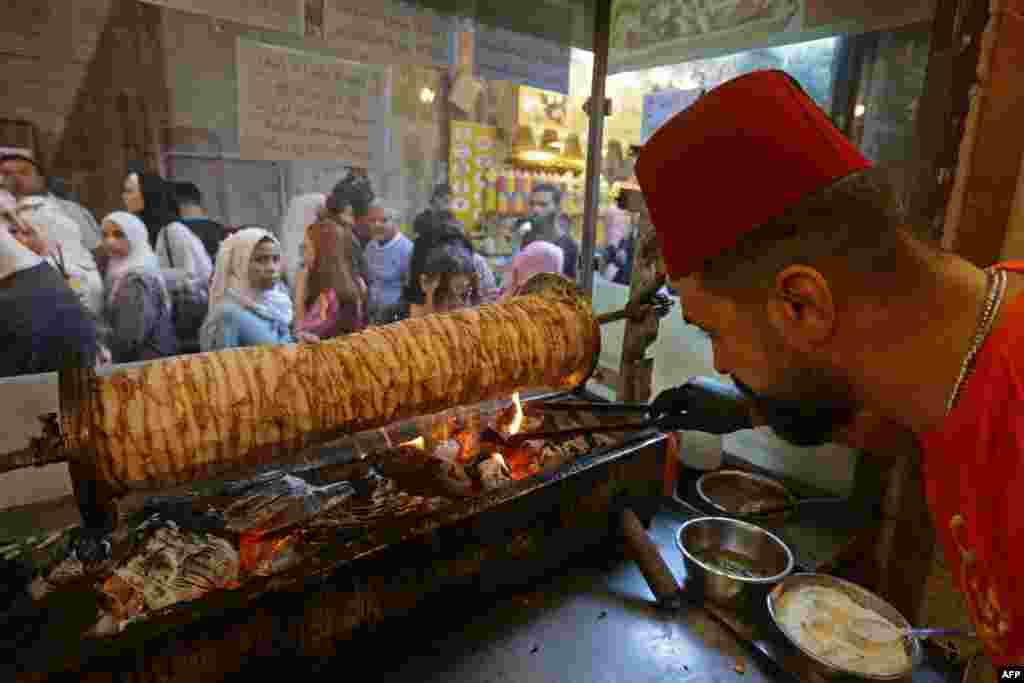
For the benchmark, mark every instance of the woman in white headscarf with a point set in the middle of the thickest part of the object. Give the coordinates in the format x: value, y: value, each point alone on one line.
x: 43, y: 226
x: 43, y: 325
x: 138, y: 305
x: 303, y: 211
x: 248, y: 304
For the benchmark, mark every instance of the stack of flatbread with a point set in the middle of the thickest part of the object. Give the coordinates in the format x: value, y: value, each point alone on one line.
x: 819, y: 619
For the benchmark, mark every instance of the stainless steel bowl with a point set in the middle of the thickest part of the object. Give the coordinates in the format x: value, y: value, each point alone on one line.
x: 727, y: 490
x: 862, y: 597
x: 766, y: 554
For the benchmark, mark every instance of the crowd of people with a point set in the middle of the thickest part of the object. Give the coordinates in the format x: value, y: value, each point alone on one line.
x: 160, y: 277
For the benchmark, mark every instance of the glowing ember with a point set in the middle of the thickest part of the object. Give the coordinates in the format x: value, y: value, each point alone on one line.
x: 419, y: 443
x: 517, y: 421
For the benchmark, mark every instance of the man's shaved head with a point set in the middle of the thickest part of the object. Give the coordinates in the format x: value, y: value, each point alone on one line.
x: 850, y: 232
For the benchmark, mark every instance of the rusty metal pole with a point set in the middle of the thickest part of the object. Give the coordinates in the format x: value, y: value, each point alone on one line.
x: 602, y: 31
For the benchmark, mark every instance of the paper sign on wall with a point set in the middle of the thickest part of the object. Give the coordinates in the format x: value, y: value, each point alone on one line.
x: 299, y: 106
x: 474, y: 152
x: 385, y: 32
x: 280, y: 15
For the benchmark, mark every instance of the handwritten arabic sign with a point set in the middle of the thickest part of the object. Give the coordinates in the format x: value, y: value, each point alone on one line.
x: 280, y: 15
x: 300, y: 106
x: 385, y: 32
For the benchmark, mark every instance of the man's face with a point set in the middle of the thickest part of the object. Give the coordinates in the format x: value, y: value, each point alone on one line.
x: 265, y: 265
x: 23, y: 231
x: 802, y: 398
x: 22, y: 178
x: 382, y: 228
x: 543, y: 206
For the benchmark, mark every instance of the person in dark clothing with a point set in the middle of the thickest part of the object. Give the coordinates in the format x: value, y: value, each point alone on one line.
x: 545, y: 224
x: 339, y: 209
x: 439, y: 232
x: 190, y: 206
x: 150, y: 198
x: 620, y: 260
x: 43, y: 325
x: 439, y: 211
x: 356, y: 192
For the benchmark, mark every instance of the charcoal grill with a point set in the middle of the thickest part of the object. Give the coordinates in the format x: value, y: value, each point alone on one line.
x: 358, y: 574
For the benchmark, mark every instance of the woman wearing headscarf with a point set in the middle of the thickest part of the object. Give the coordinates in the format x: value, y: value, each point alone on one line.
x: 183, y: 258
x: 138, y: 306
x: 42, y: 225
x: 536, y: 257
x: 43, y: 325
x: 303, y: 211
x: 331, y: 297
x: 248, y: 304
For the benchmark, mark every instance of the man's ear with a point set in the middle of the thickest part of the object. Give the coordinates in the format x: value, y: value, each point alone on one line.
x: 802, y: 308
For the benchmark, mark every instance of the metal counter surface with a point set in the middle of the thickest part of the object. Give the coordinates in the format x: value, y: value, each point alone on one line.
x: 593, y: 622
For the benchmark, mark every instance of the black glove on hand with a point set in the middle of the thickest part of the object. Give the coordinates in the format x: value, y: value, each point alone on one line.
x: 702, y: 404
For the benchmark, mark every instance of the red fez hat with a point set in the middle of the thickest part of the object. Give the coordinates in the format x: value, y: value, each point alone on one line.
x: 741, y: 155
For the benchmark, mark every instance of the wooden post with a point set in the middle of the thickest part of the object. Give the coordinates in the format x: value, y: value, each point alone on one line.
x: 990, y: 151
x: 636, y: 369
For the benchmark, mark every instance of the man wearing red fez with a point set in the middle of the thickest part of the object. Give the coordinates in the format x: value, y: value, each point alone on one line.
x: 823, y: 308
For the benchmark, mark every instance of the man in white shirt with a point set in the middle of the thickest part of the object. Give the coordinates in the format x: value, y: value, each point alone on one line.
x: 24, y: 177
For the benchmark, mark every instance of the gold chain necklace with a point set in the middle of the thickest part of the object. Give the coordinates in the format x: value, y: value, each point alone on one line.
x: 993, y: 300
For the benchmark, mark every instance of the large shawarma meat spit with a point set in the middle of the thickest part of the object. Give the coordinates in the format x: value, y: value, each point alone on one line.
x: 194, y: 417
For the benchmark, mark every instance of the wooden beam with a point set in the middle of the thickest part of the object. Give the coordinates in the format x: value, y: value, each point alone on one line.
x: 636, y: 370
x: 595, y: 135
x: 942, y: 109
x: 990, y: 152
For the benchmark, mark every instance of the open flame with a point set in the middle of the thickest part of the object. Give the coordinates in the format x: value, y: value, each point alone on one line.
x: 419, y: 443
x: 280, y: 544
x: 517, y: 422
